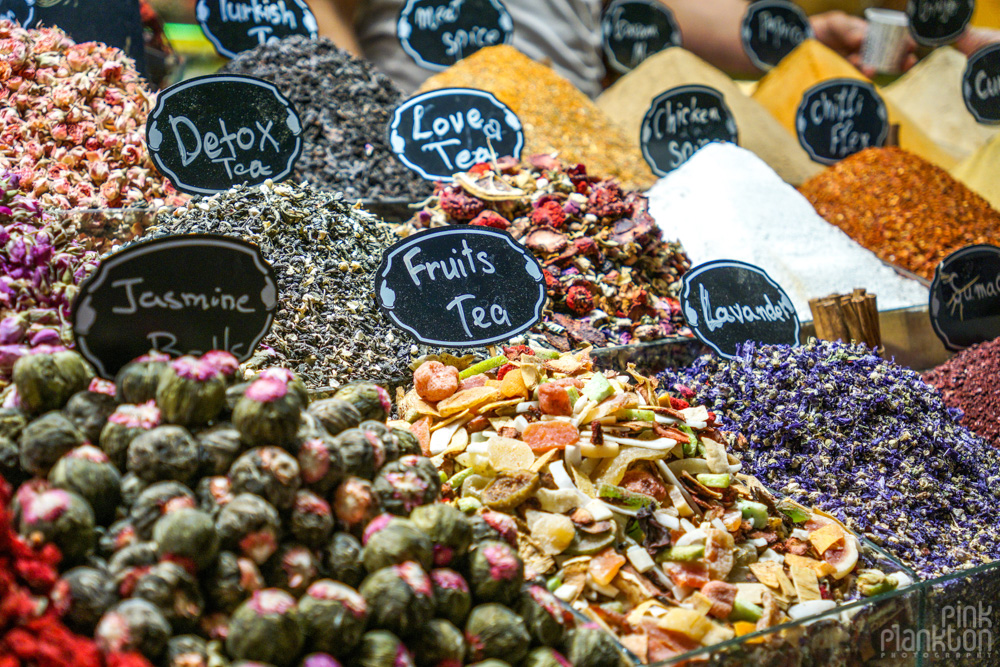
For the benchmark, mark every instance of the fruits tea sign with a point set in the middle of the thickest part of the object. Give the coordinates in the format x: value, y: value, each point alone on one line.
x: 234, y: 26
x: 981, y: 85
x: 179, y: 295
x: 210, y: 133
x: 965, y: 297
x: 460, y: 286
x: 439, y: 33
x: 727, y: 303
x: 636, y: 29
x: 772, y: 29
x: 840, y: 117
x: 679, y: 122
x: 446, y: 131
x: 938, y: 22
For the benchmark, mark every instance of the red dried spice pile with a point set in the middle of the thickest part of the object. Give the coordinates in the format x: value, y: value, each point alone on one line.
x: 907, y: 211
x: 968, y: 382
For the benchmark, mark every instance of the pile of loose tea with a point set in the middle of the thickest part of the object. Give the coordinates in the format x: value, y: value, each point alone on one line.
x: 345, y: 105
x: 968, y: 382
x: 556, y: 115
x: 835, y: 426
x: 324, y: 252
x: 904, y: 209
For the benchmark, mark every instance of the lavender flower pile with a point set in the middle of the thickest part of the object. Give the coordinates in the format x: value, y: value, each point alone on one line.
x: 836, y: 426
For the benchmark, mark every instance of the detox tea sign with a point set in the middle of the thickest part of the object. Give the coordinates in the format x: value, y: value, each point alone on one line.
x: 460, y: 286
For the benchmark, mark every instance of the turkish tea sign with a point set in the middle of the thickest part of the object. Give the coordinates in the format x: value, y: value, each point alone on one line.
x: 439, y: 33
x: 234, y: 26
x: 636, y: 29
x: 771, y: 30
x: 965, y: 297
x: 840, y: 117
x: 439, y: 133
x: 981, y: 85
x: 179, y: 295
x: 727, y: 303
x: 210, y: 133
x: 937, y: 22
x: 679, y: 122
x: 460, y: 286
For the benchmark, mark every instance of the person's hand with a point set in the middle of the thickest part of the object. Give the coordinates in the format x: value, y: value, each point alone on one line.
x: 845, y: 34
x: 974, y: 39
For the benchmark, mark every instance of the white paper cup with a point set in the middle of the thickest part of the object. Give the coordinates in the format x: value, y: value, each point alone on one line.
x: 884, y: 47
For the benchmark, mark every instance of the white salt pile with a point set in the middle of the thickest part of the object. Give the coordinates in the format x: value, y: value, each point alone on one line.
x: 726, y: 203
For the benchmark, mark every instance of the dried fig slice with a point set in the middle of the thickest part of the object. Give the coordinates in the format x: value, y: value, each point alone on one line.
x: 510, y: 489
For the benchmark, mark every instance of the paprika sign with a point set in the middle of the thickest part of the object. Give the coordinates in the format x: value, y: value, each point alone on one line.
x: 937, y: 22
x: 727, y: 303
x: 771, y: 29
x: 981, y: 84
x: 636, y: 29
x: 439, y: 33
x: 840, y: 117
x: 210, y: 133
x: 179, y: 295
x: 965, y: 297
x: 679, y: 122
x: 234, y: 26
x: 461, y: 286
x: 439, y: 133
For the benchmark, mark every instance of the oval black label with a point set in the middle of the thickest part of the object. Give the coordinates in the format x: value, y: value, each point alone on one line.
x: 234, y: 26
x: 19, y: 11
x: 439, y: 33
x: 840, y: 117
x: 965, y: 297
x: 772, y: 29
x: 727, y: 303
x: 679, y: 122
x: 445, y: 131
x: 210, y: 133
x: 937, y: 22
x: 636, y: 29
x: 180, y: 295
x: 461, y: 286
x: 981, y: 84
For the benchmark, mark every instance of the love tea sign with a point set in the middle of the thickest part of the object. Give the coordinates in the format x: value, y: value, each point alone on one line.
x: 460, y: 286
x: 234, y: 26
x: 679, y: 122
x: 180, y: 295
x: 210, y: 133
x: 439, y: 33
x: 965, y: 297
x: 937, y: 22
x: 727, y: 303
x: 445, y: 131
x: 981, y: 85
x: 771, y: 30
x: 636, y: 29
x: 840, y: 117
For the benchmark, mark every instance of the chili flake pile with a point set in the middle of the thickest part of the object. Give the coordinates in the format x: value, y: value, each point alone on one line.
x: 968, y: 382
x: 904, y: 209
x: 611, y: 277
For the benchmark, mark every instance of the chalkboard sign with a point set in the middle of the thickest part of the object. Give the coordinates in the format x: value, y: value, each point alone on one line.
x: 727, y: 303
x: 460, y: 286
x: 965, y: 297
x: 679, y: 122
x: 234, y: 26
x: 445, y: 131
x: 937, y: 22
x: 636, y: 29
x: 981, y: 84
x: 210, y: 133
x: 771, y: 29
x: 19, y: 11
x: 439, y: 33
x: 840, y: 117
x: 180, y: 295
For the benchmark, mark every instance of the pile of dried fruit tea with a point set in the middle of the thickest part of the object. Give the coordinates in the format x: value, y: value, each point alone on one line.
x: 216, y: 519
x: 629, y: 503
x: 345, y: 105
x: 905, y: 210
x: 968, y: 382
x: 611, y: 278
x: 836, y: 426
x: 556, y: 116
x: 72, y: 122
x: 323, y: 252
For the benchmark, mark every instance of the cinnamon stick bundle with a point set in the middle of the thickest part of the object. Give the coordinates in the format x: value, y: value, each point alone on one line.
x: 848, y: 318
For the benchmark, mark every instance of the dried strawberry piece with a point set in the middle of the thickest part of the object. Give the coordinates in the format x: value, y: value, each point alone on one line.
x: 480, y: 169
x: 580, y: 300
x: 586, y: 246
x: 503, y: 370
x: 549, y: 213
x: 552, y: 284
x: 459, y: 205
x: 515, y: 351
x: 679, y: 403
x: 492, y: 219
x: 606, y: 200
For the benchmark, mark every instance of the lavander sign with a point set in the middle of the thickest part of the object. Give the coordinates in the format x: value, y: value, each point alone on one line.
x: 965, y: 297
x: 937, y: 22
x: 234, y: 26
x: 439, y: 133
x: 679, y: 122
x: 981, y: 85
x: 179, y: 295
x: 439, y: 33
x: 727, y: 303
x: 19, y: 11
x: 636, y: 29
x: 772, y: 29
x: 210, y: 133
x: 840, y: 117
x: 460, y: 286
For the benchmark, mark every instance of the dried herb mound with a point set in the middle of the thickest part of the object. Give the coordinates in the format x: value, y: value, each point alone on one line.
x: 328, y: 328
x: 345, y: 105
x: 968, y: 382
x: 835, y: 426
